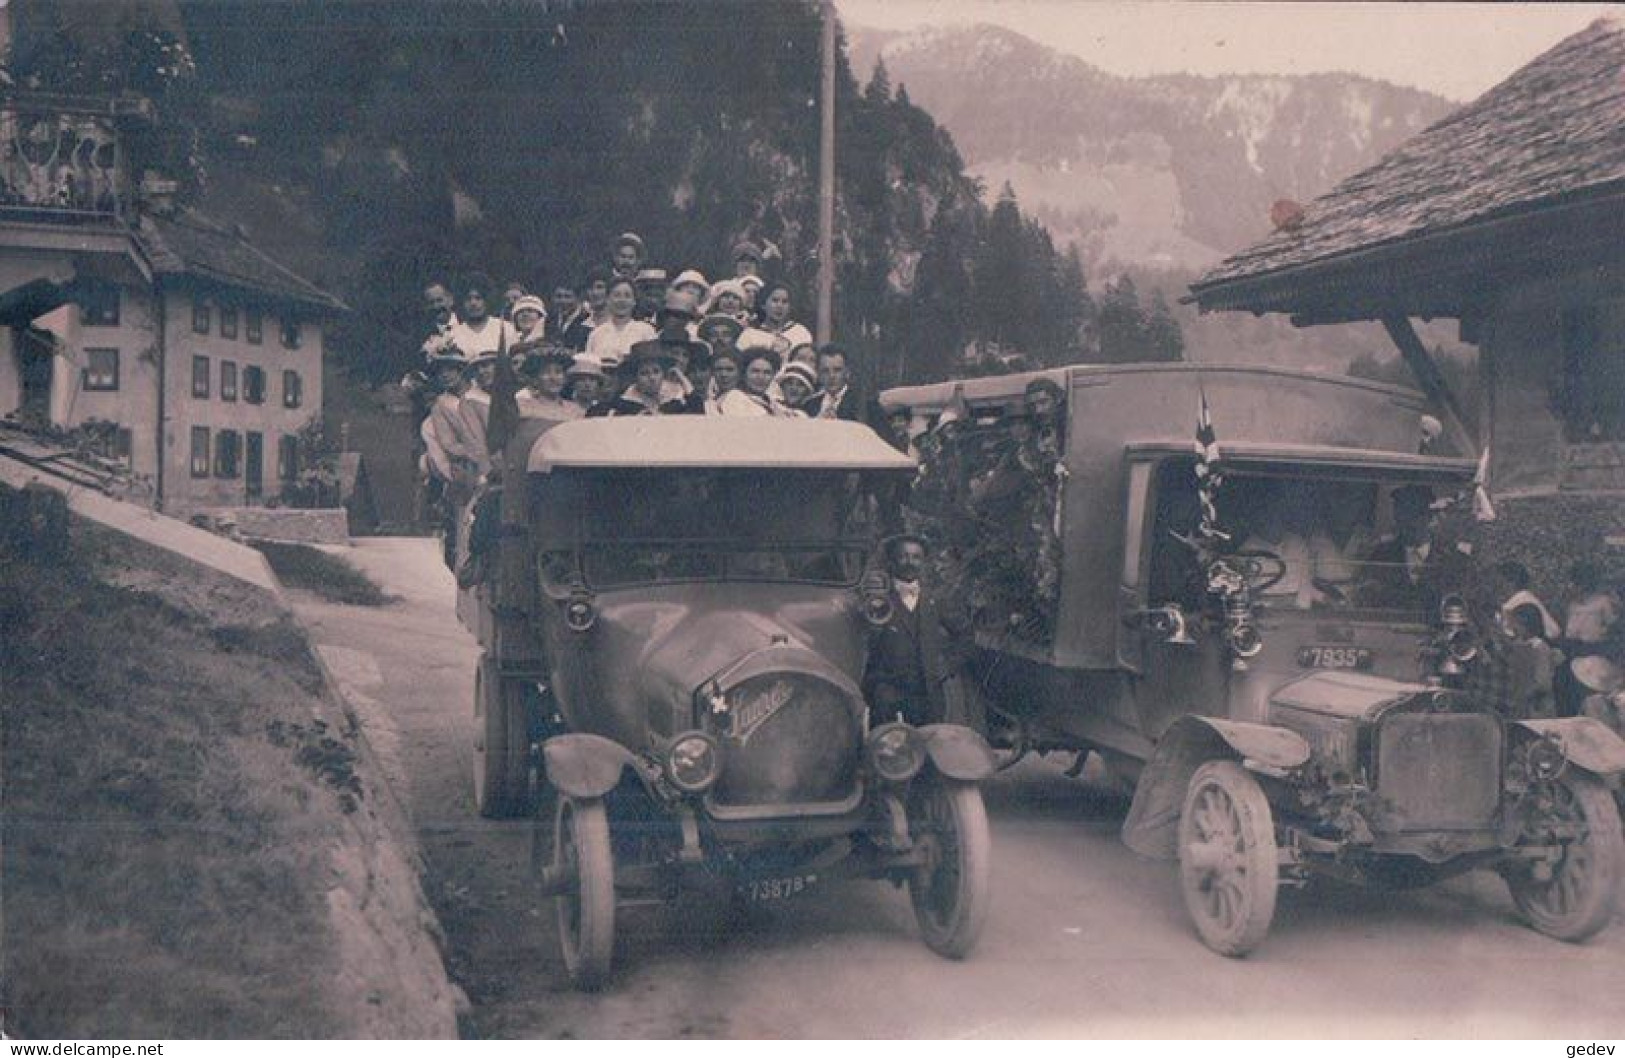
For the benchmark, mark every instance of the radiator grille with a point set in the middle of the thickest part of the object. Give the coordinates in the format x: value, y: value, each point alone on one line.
x: 1438, y: 771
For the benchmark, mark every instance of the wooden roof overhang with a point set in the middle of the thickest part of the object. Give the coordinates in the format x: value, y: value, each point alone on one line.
x: 1445, y: 273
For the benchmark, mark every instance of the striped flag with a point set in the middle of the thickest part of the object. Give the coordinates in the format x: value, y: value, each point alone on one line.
x: 1483, y: 508
x: 1209, y: 475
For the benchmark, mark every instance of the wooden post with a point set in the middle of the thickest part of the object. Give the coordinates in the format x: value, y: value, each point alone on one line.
x: 1431, y: 379
x: 826, y: 180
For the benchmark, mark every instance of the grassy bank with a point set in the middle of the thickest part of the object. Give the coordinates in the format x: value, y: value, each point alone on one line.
x: 169, y: 811
x: 301, y: 566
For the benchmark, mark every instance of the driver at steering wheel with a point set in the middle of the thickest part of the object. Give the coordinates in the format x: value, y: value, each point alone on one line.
x: 1280, y: 538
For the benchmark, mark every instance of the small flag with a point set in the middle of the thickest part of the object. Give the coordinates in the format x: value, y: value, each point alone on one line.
x: 1208, y: 474
x: 504, y: 418
x: 1483, y: 509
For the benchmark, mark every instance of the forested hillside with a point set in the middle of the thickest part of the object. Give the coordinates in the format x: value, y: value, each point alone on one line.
x: 375, y: 145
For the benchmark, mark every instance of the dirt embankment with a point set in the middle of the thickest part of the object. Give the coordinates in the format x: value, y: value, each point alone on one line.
x: 196, y: 842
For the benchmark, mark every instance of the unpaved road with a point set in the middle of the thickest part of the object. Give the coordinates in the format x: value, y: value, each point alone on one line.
x: 1085, y: 938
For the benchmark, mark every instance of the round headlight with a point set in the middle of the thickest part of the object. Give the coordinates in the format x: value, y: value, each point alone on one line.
x: 694, y: 763
x: 1245, y: 640
x: 579, y: 613
x: 1546, y: 759
x: 876, y: 608
x: 895, y: 752
x: 1461, y: 646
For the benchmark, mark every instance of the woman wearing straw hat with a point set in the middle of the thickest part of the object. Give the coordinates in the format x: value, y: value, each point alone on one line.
x: 543, y: 397
x: 584, y: 381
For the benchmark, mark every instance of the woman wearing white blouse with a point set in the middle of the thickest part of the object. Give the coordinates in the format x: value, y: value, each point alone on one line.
x: 612, y: 340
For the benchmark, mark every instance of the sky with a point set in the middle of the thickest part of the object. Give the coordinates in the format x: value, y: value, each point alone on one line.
x: 1455, y: 49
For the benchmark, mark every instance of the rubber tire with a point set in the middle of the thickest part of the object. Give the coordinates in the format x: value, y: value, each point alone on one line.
x: 501, y: 745
x: 1602, y: 861
x: 1236, y: 927
x: 952, y: 811
x: 586, y: 921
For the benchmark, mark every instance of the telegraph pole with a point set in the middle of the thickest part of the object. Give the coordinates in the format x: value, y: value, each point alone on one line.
x: 826, y: 180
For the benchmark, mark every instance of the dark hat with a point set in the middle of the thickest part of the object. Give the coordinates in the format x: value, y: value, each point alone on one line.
x: 649, y: 349
x: 546, y: 353
x: 760, y: 352
x: 889, y: 544
x: 747, y: 250
x: 718, y: 324
x: 630, y: 238
x: 440, y: 360
x: 674, y: 336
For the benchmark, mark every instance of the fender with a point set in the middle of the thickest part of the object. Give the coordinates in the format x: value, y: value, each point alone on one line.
x: 1152, y: 826
x: 1589, y: 744
x: 958, y: 752
x: 581, y: 765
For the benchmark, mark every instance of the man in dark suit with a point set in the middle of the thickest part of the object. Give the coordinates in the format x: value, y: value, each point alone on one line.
x: 909, y: 656
x: 838, y: 399
x: 1410, y: 570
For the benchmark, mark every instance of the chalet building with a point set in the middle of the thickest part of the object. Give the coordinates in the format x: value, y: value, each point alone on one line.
x: 183, y: 349
x: 1509, y: 217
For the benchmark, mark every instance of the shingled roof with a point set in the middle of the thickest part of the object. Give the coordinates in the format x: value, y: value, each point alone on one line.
x: 190, y: 244
x: 1552, y: 133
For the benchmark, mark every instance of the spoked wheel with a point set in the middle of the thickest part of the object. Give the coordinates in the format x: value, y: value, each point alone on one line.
x: 952, y: 890
x: 1227, y: 858
x: 501, y: 744
x: 586, y: 912
x: 1574, y: 897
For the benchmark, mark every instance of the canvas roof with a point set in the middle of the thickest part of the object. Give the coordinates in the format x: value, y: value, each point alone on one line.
x: 1551, y: 135
x: 683, y: 441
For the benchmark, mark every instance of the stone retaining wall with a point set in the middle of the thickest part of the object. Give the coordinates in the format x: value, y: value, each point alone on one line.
x: 285, y: 525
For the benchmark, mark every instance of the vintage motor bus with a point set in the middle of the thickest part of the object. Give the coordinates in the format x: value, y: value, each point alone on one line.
x: 678, y: 613
x: 1284, y: 701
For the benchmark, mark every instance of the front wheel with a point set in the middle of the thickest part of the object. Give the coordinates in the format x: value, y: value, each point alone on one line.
x: 1227, y: 858
x: 501, y: 744
x: 952, y: 889
x: 586, y: 913
x: 1574, y: 897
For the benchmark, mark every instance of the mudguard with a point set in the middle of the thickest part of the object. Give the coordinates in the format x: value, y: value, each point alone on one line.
x: 1152, y: 826
x: 580, y: 765
x: 958, y: 752
x: 1588, y: 744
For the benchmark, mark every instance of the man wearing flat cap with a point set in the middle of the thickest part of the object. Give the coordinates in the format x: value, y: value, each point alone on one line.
x: 650, y: 284
x: 910, y: 657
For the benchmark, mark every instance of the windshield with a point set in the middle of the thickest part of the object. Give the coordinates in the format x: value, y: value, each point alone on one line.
x: 645, y: 526
x: 1313, y: 540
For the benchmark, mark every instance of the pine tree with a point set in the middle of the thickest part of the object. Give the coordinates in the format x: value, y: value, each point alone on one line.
x: 1163, y: 338
x: 1122, y: 323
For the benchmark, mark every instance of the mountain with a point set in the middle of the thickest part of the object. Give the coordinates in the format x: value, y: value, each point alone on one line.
x: 1165, y: 172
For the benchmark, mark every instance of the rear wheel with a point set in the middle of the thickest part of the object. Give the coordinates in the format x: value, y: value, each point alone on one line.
x: 951, y: 891
x: 1227, y: 858
x: 501, y: 744
x: 586, y: 913
x: 1574, y: 897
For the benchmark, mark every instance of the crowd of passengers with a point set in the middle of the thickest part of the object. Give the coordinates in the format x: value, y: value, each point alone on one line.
x: 629, y: 341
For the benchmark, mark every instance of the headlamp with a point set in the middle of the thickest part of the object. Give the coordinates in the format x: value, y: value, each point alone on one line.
x: 895, y: 752
x: 694, y: 762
